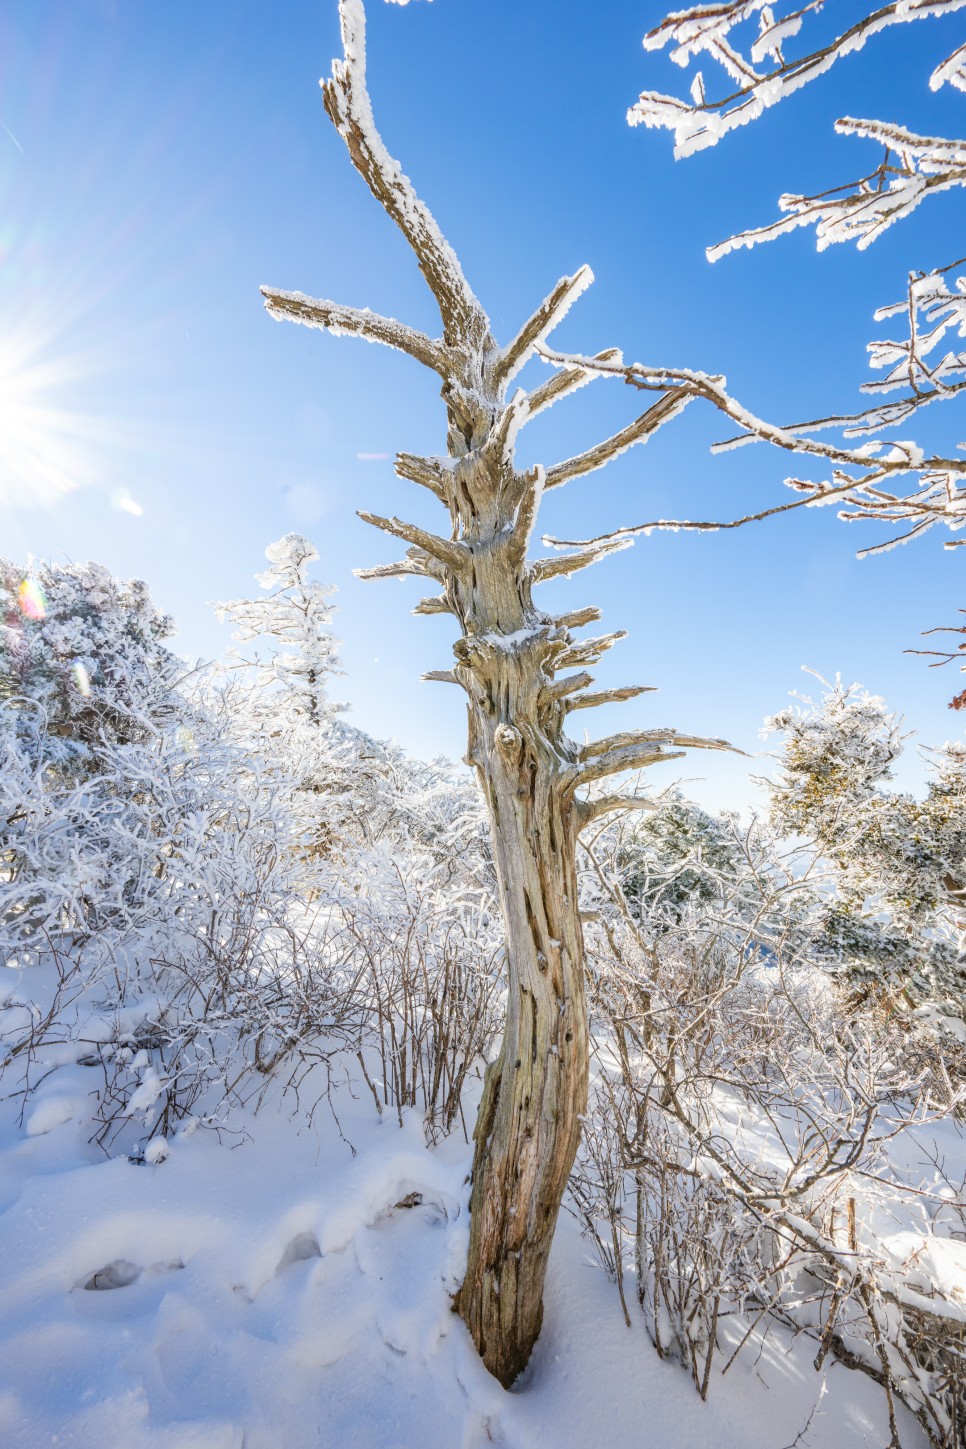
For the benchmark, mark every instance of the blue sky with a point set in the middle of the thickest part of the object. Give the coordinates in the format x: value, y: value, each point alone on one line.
x: 158, y: 161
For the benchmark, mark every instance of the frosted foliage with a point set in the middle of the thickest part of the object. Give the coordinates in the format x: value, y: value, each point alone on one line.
x: 935, y: 309
x: 901, y: 861
x: 87, y: 652
x: 952, y: 72
x: 914, y: 167
x: 334, y: 771
x: 123, y: 794
x: 748, y: 41
x: 760, y: 54
x: 737, y: 1151
x: 288, y: 558
x: 844, y: 747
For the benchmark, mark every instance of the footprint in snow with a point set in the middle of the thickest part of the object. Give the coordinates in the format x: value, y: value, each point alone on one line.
x: 302, y: 1247
x: 436, y: 1209
x: 121, y: 1274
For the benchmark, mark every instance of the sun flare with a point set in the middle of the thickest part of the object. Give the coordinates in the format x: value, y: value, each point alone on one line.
x: 46, y: 449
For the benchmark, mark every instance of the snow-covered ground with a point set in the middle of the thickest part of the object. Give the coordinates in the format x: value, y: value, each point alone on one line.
x: 270, y: 1291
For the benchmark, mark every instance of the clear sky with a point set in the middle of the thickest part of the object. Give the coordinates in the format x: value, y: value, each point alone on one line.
x: 159, y: 159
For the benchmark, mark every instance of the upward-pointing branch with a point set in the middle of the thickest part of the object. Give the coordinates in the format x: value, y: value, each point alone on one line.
x: 666, y: 408
x: 550, y: 312
x: 347, y: 103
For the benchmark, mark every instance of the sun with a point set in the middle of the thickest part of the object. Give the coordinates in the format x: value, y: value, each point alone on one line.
x: 46, y: 449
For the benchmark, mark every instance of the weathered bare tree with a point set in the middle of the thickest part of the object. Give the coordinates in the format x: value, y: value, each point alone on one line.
x: 515, y: 664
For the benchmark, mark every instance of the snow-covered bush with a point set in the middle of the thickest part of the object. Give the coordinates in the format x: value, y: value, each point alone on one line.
x: 395, y: 852
x: 216, y: 883
x: 740, y: 1145
x: 428, y: 953
x: 162, y: 890
x: 150, y: 894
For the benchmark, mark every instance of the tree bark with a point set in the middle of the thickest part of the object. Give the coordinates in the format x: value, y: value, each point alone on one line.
x: 528, y: 1126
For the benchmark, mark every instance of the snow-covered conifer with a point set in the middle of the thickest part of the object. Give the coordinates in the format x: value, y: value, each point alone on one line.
x: 897, y: 916
x: 293, y: 621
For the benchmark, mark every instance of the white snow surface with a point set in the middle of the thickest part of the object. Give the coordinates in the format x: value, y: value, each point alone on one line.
x: 264, y: 1291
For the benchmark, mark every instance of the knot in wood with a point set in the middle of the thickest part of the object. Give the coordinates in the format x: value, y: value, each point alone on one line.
x: 509, y: 741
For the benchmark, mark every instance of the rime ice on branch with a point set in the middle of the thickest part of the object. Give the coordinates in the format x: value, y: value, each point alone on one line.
x: 756, y: 74
x: 513, y: 661
x: 897, y: 484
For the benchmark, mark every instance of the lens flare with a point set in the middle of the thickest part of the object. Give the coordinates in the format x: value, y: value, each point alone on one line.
x: 186, y: 740
x: 124, y: 503
x: 82, y: 679
x: 32, y: 601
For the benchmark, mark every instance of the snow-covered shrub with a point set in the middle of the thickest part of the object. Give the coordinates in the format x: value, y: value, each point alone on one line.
x: 164, y: 890
x: 86, y: 652
x: 679, y: 863
x: 394, y: 851
x: 152, y: 895
x: 216, y: 883
x: 428, y: 952
x: 740, y: 1144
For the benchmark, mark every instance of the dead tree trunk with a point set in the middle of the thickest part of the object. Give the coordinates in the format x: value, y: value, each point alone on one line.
x: 513, y: 661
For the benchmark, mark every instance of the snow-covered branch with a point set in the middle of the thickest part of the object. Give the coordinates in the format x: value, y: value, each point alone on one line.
x: 913, y: 168
x: 570, y: 563
x: 752, y: 84
x: 937, y: 496
x: 594, y: 809
x: 548, y: 315
x: 347, y: 103
x: 635, y: 749
x: 608, y: 696
x: 566, y: 381
x: 661, y: 412
x: 452, y: 555
x: 356, y: 322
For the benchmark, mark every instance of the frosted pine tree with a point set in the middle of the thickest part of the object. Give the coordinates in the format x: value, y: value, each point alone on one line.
x: 898, y: 919
x: 299, y: 654
x: 289, y: 716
